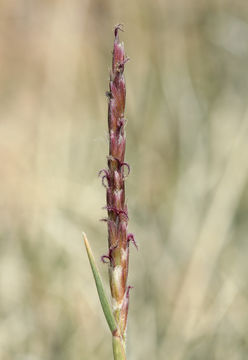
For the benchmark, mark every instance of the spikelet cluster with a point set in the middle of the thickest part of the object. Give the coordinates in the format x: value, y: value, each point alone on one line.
x: 113, y: 179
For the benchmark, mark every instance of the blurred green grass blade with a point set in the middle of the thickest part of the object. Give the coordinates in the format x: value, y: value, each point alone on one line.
x: 99, y: 285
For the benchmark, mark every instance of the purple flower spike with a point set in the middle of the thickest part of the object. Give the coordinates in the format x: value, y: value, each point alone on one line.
x: 113, y: 179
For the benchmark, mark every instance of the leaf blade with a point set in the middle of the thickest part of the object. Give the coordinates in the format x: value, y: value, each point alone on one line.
x: 107, y: 310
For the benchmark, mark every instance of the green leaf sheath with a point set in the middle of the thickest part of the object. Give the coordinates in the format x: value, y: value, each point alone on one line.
x: 99, y: 285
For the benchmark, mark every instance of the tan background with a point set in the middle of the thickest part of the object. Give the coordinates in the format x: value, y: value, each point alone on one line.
x: 187, y: 87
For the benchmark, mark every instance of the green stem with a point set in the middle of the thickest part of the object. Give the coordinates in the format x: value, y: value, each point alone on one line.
x: 118, y: 349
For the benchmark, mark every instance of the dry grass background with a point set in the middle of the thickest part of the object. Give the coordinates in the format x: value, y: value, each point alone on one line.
x: 187, y: 88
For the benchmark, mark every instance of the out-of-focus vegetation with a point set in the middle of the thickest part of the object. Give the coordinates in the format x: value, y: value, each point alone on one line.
x: 187, y: 91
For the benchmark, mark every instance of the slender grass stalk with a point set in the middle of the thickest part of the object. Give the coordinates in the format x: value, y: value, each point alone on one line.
x: 113, y: 178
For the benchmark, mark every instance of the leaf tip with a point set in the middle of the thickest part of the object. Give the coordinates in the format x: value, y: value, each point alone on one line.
x: 86, y: 242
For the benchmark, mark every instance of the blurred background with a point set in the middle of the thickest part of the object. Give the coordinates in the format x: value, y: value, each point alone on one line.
x: 187, y: 144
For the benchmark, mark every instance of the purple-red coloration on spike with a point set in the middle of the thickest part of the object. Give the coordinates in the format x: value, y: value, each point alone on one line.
x: 113, y: 179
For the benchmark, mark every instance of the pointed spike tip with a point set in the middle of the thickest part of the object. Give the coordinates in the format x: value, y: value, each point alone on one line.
x: 118, y: 27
